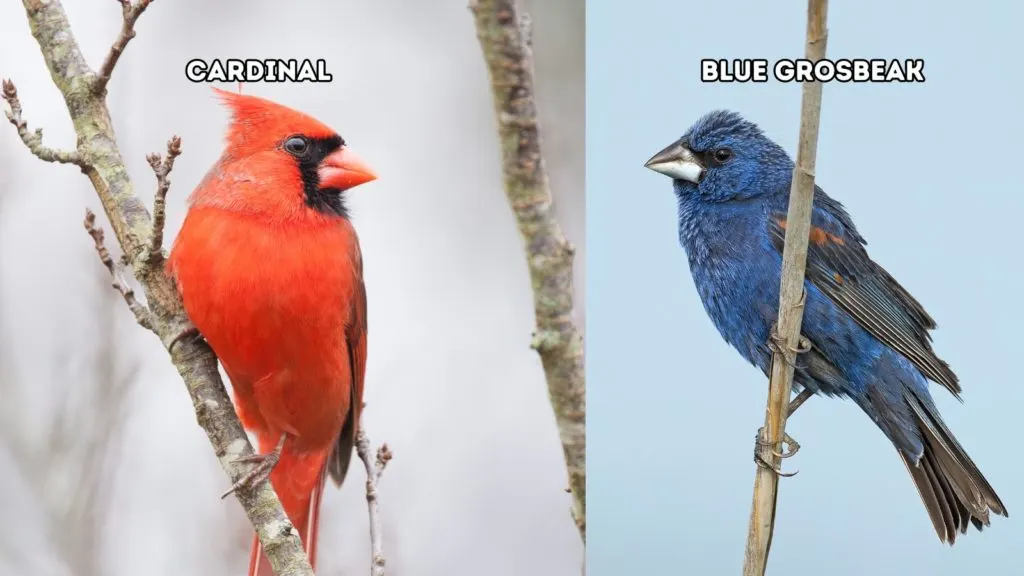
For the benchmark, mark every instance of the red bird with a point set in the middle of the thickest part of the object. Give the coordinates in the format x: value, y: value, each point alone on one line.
x: 269, y: 269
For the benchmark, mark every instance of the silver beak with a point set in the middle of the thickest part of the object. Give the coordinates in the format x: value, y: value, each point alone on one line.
x: 677, y: 162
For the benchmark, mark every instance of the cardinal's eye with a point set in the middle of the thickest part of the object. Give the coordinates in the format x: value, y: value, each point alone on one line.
x: 296, y: 146
x: 722, y: 155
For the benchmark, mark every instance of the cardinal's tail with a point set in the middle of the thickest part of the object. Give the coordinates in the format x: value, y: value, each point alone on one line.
x: 259, y: 564
x: 952, y: 488
x: 291, y: 479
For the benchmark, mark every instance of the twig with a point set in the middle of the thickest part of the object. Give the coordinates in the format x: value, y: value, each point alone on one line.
x: 129, y: 14
x: 142, y: 314
x: 374, y: 470
x: 161, y: 168
x: 130, y: 222
x: 504, y: 39
x: 34, y: 140
x: 791, y: 310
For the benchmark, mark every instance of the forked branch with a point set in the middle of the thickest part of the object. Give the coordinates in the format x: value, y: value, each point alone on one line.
x: 142, y: 314
x: 129, y: 15
x: 374, y: 470
x: 161, y: 168
x: 34, y: 140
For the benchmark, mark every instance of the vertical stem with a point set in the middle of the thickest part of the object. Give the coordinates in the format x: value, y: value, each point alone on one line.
x: 504, y: 35
x: 791, y: 295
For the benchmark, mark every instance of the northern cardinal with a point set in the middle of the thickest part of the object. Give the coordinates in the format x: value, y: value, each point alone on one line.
x: 269, y: 269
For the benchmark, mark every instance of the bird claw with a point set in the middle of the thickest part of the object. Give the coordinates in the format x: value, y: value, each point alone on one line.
x: 788, y: 354
x: 265, y: 464
x: 776, y: 343
x: 803, y: 345
x: 191, y: 332
x: 778, y: 471
x: 793, y: 448
x: 793, y: 445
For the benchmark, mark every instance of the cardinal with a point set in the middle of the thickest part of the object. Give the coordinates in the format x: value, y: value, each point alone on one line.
x: 269, y: 269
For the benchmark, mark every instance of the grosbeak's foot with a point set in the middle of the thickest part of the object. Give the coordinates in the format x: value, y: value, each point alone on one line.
x: 777, y: 344
x: 790, y: 449
x: 797, y: 402
x: 787, y: 440
x: 803, y: 345
x: 788, y: 354
x: 778, y: 471
x: 264, y: 466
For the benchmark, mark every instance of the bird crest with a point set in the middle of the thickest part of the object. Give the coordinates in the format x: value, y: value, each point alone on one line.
x: 258, y: 124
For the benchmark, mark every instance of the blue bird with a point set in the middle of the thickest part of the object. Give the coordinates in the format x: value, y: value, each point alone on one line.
x: 867, y: 338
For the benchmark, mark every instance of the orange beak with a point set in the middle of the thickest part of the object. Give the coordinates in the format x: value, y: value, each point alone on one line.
x: 344, y: 170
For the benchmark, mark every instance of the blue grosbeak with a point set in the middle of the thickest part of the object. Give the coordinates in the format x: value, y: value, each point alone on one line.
x: 867, y: 337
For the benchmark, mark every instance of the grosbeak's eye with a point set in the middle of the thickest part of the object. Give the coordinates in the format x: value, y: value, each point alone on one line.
x: 722, y: 155
x: 296, y: 146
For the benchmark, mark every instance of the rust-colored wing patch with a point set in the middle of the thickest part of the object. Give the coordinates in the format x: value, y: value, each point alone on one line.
x: 839, y: 266
x: 818, y: 236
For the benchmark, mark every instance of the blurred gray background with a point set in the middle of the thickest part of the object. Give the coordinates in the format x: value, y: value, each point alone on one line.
x: 102, y: 467
x: 930, y: 172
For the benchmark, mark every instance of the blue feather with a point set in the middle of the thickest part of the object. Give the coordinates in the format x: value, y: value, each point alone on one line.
x: 869, y: 337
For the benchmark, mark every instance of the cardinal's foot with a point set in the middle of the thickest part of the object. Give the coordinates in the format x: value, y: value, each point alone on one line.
x: 264, y: 466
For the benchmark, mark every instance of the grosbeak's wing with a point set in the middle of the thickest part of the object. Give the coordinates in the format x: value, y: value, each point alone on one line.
x: 839, y: 266
x: 355, y: 336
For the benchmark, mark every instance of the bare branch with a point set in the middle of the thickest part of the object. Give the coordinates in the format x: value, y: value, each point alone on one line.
x: 34, y: 140
x: 504, y: 39
x: 162, y: 168
x: 374, y: 470
x: 129, y: 14
x: 133, y: 227
x: 791, y: 306
x: 142, y: 314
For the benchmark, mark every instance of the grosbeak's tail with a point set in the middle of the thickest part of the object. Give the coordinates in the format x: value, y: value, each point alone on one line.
x: 952, y: 488
x: 259, y: 564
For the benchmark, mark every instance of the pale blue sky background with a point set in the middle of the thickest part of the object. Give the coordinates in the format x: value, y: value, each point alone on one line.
x: 931, y: 174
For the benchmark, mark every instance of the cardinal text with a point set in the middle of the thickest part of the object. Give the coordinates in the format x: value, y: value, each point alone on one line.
x: 250, y: 70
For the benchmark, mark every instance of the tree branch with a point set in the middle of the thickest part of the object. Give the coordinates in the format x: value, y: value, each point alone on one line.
x: 142, y: 314
x: 504, y: 39
x: 101, y: 161
x: 129, y: 15
x: 34, y: 140
x: 161, y: 168
x: 374, y: 469
x: 791, y: 305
